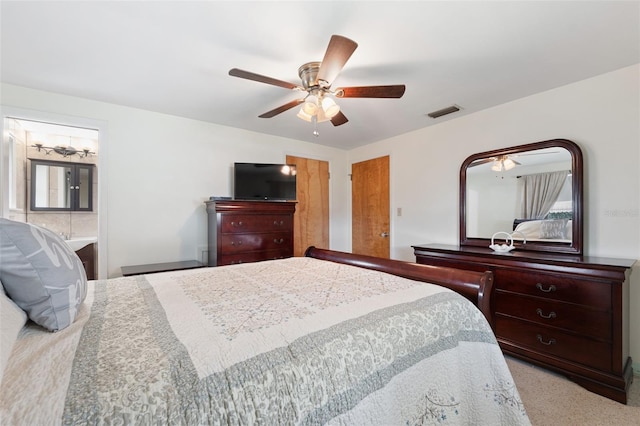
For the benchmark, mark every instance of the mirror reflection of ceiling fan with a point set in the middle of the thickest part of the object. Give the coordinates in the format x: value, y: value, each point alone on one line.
x: 500, y: 163
x: 317, y: 77
x: 503, y: 163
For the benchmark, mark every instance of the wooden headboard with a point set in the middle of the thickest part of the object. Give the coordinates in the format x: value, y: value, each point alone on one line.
x: 475, y: 286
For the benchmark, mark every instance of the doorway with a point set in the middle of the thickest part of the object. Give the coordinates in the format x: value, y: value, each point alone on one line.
x: 370, y: 220
x: 39, y: 185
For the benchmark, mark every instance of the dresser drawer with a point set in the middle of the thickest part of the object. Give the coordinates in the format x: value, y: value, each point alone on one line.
x: 551, y: 341
x: 236, y: 243
x: 557, y: 287
x: 256, y: 256
x: 238, y: 223
x: 591, y: 322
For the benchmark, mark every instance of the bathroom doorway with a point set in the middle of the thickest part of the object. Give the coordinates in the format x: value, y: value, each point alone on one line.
x: 52, y: 181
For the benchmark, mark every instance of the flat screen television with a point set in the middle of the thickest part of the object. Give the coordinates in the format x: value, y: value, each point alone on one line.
x: 258, y: 181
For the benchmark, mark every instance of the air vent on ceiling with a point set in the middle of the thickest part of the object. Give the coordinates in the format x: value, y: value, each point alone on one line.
x: 444, y: 111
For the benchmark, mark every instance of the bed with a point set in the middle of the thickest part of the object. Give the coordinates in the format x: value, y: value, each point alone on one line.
x: 557, y: 230
x: 328, y: 338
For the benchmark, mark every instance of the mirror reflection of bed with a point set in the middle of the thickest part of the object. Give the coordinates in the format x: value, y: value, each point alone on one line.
x: 558, y: 230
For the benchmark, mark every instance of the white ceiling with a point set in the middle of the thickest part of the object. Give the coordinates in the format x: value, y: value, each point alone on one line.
x: 174, y: 56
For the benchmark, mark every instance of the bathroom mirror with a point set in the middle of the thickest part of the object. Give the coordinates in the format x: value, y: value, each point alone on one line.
x: 533, y: 191
x: 61, y: 186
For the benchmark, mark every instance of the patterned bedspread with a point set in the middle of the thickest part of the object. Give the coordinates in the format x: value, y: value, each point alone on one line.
x: 293, y: 341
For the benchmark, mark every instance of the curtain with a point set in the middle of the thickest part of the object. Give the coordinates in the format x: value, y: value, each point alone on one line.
x: 540, y: 192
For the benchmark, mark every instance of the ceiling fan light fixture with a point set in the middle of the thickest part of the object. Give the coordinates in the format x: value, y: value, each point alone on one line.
x: 508, y: 164
x: 310, y: 105
x: 320, y: 111
x: 304, y: 116
x: 330, y: 107
x: 502, y: 164
x: 321, y: 116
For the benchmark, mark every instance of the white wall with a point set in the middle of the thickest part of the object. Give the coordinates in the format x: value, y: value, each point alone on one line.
x: 160, y: 169
x: 601, y: 114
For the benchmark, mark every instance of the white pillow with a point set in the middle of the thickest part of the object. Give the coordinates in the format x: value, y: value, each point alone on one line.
x: 12, y: 319
x: 530, y: 229
x: 41, y: 274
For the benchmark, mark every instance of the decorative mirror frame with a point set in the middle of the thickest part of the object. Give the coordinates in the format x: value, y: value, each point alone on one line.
x: 575, y: 247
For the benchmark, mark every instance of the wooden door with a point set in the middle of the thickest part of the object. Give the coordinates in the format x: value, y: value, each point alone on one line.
x: 370, y: 207
x: 311, y: 220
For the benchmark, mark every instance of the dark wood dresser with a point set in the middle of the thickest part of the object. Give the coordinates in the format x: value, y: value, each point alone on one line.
x: 568, y: 313
x: 249, y: 231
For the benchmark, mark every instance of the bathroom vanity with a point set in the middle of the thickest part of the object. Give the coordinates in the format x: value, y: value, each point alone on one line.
x: 86, y: 248
x: 87, y: 255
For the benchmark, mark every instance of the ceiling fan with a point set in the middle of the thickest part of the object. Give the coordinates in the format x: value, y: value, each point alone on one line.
x: 505, y: 162
x: 317, y: 77
x: 500, y: 163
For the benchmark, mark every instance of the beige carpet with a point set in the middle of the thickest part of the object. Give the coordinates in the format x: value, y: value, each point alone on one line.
x: 551, y: 399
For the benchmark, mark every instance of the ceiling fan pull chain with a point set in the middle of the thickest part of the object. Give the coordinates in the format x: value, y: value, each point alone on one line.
x: 315, y: 126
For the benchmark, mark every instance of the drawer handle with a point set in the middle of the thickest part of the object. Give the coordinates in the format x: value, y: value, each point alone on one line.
x: 548, y: 343
x: 275, y: 222
x: 547, y: 290
x: 551, y: 314
x: 236, y: 224
x: 278, y: 241
x: 233, y: 243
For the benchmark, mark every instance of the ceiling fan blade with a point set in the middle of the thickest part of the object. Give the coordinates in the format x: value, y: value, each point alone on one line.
x: 235, y: 72
x: 281, y: 109
x: 339, y: 119
x: 393, y: 91
x: 338, y: 53
x: 482, y: 161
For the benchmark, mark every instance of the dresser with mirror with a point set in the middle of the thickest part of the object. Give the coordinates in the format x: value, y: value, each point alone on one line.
x: 552, y: 305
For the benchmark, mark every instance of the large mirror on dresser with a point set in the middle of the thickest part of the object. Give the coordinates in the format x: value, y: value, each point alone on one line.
x: 532, y: 191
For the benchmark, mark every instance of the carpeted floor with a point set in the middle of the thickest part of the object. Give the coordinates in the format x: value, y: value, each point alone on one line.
x: 551, y: 399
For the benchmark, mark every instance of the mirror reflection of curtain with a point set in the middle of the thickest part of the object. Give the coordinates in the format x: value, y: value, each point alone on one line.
x: 540, y: 192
